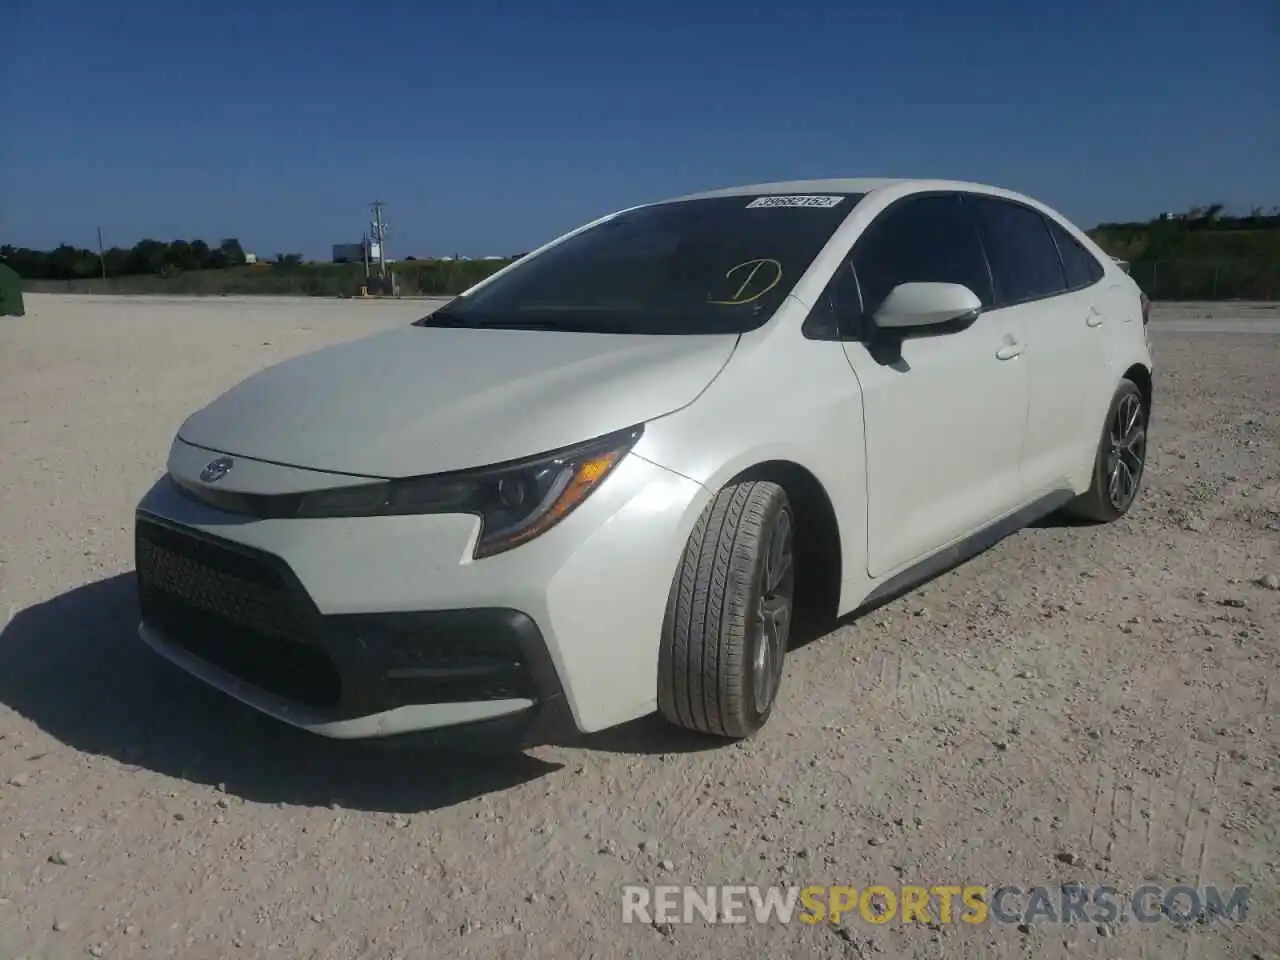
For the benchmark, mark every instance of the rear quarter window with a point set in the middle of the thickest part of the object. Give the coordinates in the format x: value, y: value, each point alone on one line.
x: 1082, y: 267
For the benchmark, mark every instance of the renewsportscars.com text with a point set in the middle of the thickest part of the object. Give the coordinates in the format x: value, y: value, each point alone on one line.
x: 971, y: 904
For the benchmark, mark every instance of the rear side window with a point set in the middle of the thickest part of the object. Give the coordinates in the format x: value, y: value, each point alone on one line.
x: 1081, y: 266
x: 924, y: 239
x: 1024, y: 258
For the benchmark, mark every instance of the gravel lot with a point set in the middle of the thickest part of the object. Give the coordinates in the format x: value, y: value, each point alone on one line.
x: 1090, y: 704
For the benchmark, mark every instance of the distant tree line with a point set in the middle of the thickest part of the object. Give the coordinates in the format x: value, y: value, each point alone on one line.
x: 1209, y: 216
x: 153, y: 257
x: 286, y: 276
x: 1202, y: 254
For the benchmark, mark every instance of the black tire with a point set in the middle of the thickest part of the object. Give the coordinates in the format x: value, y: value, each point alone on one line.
x: 718, y: 668
x: 1123, y: 442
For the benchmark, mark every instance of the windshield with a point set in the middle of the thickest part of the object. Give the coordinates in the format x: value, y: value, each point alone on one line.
x: 715, y: 265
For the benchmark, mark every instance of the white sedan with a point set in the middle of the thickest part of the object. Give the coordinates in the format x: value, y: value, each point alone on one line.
x: 609, y: 478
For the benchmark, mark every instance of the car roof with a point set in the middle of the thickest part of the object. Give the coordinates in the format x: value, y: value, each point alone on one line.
x: 860, y: 185
x: 846, y: 185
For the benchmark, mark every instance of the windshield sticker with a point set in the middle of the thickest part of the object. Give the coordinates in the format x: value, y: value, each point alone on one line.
x: 823, y: 203
x: 763, y: 269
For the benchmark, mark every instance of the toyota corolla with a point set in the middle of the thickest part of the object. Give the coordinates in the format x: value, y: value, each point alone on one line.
x: 610, y: 478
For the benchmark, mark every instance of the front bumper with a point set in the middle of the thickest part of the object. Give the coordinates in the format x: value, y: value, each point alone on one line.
x: 378, y: 627
x: 240, y: 619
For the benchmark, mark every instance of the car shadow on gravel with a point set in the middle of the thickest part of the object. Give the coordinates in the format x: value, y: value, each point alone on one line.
x: 1056, y: 521
x: 648, y: 736
x: 75, y: 667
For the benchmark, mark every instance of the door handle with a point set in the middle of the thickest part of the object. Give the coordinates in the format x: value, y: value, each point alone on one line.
x: 1009, y: 351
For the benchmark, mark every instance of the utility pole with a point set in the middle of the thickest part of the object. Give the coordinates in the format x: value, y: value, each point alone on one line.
x: 380, y: 237
x: 102, y: 257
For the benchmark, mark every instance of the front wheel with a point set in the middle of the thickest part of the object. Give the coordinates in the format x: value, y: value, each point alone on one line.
x: 1120, y: 460
x: 729, y: 615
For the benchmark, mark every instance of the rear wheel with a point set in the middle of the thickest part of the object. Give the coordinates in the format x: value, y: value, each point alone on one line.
x: 729, y: 615
x: 1120, y: 461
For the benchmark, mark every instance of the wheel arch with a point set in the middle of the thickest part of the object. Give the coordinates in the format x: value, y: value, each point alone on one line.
x: 1141, y: 377
x: 819, y: 548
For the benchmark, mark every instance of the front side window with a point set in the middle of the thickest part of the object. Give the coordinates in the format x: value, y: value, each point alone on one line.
x: 920, y: 240
x: 715, y: 265
x: 1024, y: 259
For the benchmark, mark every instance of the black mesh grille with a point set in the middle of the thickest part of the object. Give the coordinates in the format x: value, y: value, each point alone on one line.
x: 234, y: 610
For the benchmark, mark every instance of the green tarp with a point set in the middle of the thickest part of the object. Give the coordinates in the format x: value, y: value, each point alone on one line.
x: 10, y: 293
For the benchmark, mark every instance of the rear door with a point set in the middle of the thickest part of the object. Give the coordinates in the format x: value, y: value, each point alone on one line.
x: 944, y: 413
x: 1066, y: 349
x: 1104, y: 307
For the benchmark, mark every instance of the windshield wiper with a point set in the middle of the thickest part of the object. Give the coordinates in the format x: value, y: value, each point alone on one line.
x: 560, y: 323
x: 528, y: 323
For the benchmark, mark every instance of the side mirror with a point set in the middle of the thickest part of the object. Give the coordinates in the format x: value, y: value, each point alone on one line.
x: 911, y: 305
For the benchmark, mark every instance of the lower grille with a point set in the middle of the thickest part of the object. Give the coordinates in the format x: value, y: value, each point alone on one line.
x: 469, y: 668
x: 233, y: 609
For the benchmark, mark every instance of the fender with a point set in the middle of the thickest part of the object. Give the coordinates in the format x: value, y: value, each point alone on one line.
x: 787, y: 399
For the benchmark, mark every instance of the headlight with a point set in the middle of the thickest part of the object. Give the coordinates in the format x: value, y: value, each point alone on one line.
x: 515, y: 501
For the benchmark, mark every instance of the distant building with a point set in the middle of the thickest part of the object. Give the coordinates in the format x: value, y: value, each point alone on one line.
x: 356, y: 252
x: 250, y: 258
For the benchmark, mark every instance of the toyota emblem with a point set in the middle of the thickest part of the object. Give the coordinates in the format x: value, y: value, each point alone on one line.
x: 217, y: 469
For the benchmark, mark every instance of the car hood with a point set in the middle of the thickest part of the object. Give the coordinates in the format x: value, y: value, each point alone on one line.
x: 420, y: 400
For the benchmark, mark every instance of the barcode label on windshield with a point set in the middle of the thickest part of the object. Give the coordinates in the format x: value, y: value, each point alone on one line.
x: 795, y: 201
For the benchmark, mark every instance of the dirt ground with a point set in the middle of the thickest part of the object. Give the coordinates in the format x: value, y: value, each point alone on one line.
x: 1085, y: 704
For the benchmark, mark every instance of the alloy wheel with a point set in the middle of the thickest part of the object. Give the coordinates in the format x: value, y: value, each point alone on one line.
x: 773, y: 615
x: 1127, y: 452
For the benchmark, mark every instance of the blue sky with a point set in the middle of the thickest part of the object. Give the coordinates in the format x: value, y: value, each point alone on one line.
x: 489, y: 127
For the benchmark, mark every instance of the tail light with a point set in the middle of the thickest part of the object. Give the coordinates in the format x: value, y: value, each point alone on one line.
x: 1146, y: 308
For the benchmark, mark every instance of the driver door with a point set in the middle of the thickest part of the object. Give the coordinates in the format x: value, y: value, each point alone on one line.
x: 945, y: 409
